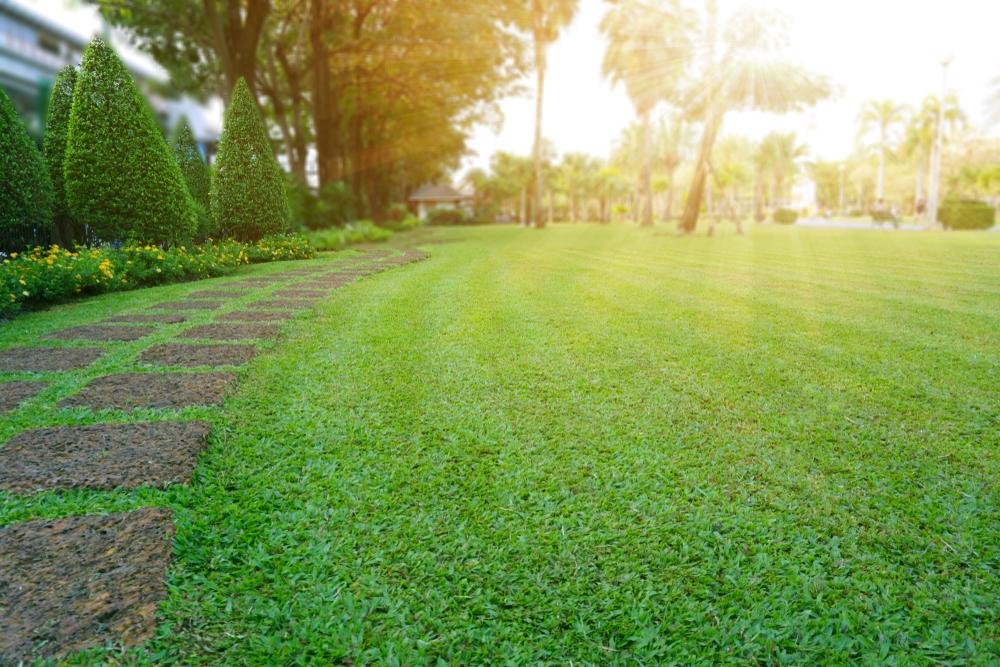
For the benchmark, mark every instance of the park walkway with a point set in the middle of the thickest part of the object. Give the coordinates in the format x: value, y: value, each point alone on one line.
x: 74, y: 583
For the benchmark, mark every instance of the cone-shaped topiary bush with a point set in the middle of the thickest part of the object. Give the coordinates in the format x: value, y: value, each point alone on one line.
x: 25, y: 190
x: 120, y: 176
x: 54, y: 149
x: 196, y: 175
x: 248, y: 190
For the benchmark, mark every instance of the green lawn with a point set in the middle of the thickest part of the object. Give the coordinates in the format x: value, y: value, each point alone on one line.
x: 596, y: 445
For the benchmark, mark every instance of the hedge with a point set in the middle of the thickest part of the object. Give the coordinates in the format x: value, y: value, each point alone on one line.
x: 360, y: 231
x: 54, y: 149
x: 785, y: 216
x: 121, y: 178
x: 25, y: 190
x: 248, y: 189
x: 966, y: 214
x: 196, y: 176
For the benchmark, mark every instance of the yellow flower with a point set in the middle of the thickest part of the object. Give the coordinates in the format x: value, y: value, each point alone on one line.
x: 25, y: 293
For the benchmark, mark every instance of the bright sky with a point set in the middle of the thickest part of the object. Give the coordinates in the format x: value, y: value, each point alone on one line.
x: 869, y: 49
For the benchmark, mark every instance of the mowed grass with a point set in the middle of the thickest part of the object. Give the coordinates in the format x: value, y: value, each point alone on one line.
x: 605, y: 446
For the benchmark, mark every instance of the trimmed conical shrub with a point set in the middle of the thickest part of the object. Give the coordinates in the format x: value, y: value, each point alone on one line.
x: 54, y: 149
x: 25, y: 190
x: 120, y: 176
x: 248, y: 190
x: 196, y: 175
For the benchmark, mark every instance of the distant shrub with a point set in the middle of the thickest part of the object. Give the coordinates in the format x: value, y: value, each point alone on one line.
x: 302, y: 203
x: 360, y: 231
x: 785, y: 216
x: 120, y: 177
x: 448, y: 216
x: 398, y: 219
x: 54, y: 149
x: 279, y: 247
x: 196, y: 176
x: 25, y: 190
x: 884, y: 215
x: 966, y: 214
x: 336, y: 206
x: 248, y: 190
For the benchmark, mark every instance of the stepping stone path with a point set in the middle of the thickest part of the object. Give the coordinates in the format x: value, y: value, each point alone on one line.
x: 12, y: 394
x: 172, y: 354
x: 101, y: 456
x: 71, y: 584
x: 99, y: 332
x: 79, y: 582
x: 46, y: 359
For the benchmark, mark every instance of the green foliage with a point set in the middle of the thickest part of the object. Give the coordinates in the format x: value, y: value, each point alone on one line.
x: 56, y: 131
x: 248, y: 189
x: 336, y: 206
x: 280, y: 247
x: 785, y: 216
x: 25, y: 190
x: 120, y: 176
x: 361, y: 231
x: 449, y: 216
x: 966, y: 214
x: 196, y: 176
x: 398, y: 219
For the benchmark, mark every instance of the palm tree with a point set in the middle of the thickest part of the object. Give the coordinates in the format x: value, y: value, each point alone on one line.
x: 647, y: 45
x: 548, y: 17
x: 779, y: 155
x: 671, y: 144
x: 918, y: 143
x: 883, y: 116
x: 747, y: 76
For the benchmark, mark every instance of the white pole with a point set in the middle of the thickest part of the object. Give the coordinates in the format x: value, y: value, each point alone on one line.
x: 934, y: 196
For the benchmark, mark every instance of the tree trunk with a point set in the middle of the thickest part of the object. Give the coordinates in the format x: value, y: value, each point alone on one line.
x: 645, y: 176
x: 880, y: 190
x: 323, y: 103
x: 692, y: 208
x: 540, y: 65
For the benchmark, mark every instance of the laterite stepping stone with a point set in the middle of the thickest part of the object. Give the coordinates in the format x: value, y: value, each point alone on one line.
x: 234, y: 331
x: 255, y: 316
x: 217, y: 293
x: 284, y: 304
x: 294, y: 293
x: 126, y: 391
x: 159, y: 319
x: 72, y: 584
x: 193, y: 304
x: 46, y: 359
x: 102, y: 456
x: 12, y: 394
x: 174, y: 354
x: 102, y: 333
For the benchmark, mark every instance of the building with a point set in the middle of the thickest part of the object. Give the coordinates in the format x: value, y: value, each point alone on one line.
x: 35, y: 46
x: 430, y: 197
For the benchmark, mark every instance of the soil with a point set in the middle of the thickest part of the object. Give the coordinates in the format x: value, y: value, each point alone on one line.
x: 126, y: 391
x: 216, y: 293
x: 235, y: 331
x: 161, y: 319
x: 295, y: 293
x: 255, y: 316
x: 194, y: 304
x: 45, y: 359
x: 102, y: 333
x: 12, y: 394
x: 284, y: 304
x: 173, y: 354
x: 71, y: 584
x: 101, y: 456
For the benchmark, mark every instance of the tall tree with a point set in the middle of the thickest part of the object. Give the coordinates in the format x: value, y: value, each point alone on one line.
x: 747, y: 74
x: 548, y: 18
x: 884, y: 116
x: 918, y: 142
x: 778, y: 156
x: 54, y: 150
x: 648, y: 41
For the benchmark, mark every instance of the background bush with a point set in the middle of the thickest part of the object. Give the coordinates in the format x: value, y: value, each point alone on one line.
x: 357, y: 232
x: 398, y: 219
x: 66, y: 230
x: 448, y: 216
x: 785, y: 216
x: 196, y: 176
x: 25, y: 190
x: 120, y: 176
x: 248, y: 189
x: 966, y: 214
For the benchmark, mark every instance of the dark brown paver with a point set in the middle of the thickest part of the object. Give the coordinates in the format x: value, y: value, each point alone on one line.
x: 101, y: 456
x: 71, y: 584
x: 102, y: 332
x: 294, y: 293
x: 256, y: 316
x: 152, y: 390
x: 193, y: 304
x: 173, y: 318
x: 44, y: 359
x: 234, y: 331
x: 174, y: 354
x: 235, y: 292
x: 284, y: 304
x: 12, y: 394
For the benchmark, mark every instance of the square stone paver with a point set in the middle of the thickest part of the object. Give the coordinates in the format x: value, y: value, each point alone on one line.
x: 101, y: 456
x: 255, y: 316
x: 233, y: 293
x: 297, y: 293
x: 284, y: 304
x: 233, y: 331
x: 173, y: 318
x: 126, y: 391
x: 13, y: 393
x: 193, y: 304
x: 71, y: 584
x: 102, y: 332
x: 175, y: 354
x: 46, y: 359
